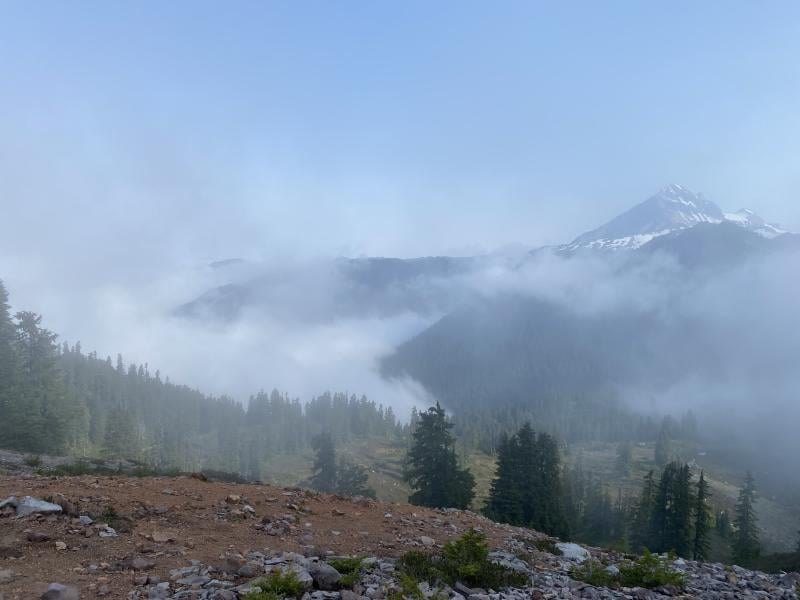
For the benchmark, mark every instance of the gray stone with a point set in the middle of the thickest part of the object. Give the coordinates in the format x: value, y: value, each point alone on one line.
x: 325, y: 576
x: 58, y: 591
x: 192, y: 580
x: 28, y: 505
x: 7, y: 575
x: 572, y: 551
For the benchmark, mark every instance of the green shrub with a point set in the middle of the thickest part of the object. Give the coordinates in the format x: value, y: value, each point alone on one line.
x: 33, y: 460
x: 594, y: 573
x: 465, y: 559
x: 349, y: 568
x: 649, y: 572
x: 547, y: 545
x: 409, y: 588
x: 276, y: 586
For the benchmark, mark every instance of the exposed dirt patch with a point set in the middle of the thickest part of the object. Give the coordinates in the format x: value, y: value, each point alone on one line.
x: 169, y: 521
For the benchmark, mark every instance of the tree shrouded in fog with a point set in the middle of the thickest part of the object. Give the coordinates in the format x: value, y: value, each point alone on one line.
x: 527, y: 487
x: 702, y: 520
x: 746, y: 545
x: 324, y: 477
x: 432, y: 469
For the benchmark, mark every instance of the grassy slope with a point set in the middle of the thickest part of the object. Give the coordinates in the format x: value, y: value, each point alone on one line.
x: 779, y: 523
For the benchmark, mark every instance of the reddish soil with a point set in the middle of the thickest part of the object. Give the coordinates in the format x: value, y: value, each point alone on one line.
x: 194, y: 519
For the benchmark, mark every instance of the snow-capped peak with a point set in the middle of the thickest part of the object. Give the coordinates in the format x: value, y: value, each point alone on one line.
x: 673, y: 208
x: 752, y: 222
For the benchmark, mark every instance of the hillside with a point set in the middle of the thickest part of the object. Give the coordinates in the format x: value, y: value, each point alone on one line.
x: 187, y: 538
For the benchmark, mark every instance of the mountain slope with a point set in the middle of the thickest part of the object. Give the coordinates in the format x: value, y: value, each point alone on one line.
x: 380, y: 287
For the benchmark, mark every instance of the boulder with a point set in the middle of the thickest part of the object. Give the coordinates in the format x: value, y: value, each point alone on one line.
x: 58, y: 591
x: 37, y: 537
x: 7, y: 575
x: 325, y: 576
x: 28, y: 505
x: 574, y: 552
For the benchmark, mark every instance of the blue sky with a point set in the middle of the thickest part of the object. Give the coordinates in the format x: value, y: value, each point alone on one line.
x: 191, y: 129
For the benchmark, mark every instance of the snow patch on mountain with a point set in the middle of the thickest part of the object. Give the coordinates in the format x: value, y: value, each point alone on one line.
x: 752, y: 222
x: 672, y: 209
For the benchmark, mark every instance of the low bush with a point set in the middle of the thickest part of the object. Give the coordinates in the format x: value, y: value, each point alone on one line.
x: 33, y: 460
x: 464, y: 560
x: 276, y: 586
x: 650, y: 571
x: 594, y: 573
x: 349, y: 568
x: 547, y: 545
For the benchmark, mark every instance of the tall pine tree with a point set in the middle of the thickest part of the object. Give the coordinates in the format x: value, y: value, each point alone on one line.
x: 8, y: 369
x: 702, y: 520
x: 324, y: 477
x: 746, y: 546
x: 432, y: 468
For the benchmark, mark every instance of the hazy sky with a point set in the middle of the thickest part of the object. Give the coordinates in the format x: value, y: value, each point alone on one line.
x: 174, y: 131
x: 140, y: 139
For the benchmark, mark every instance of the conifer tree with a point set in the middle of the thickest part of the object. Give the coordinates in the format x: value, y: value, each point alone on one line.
x: 672, y: 511
x: 352, y: 480
x: 40, y: 413
x: 8, y: 368
x: 663, y: 448
x: 723, y: 524
x: 746, y: 546
x: 527, y: 487
x: 505, y: 496
x: 432, y: 468
x: 324, y: 477
x: 642, y: 528
x: 624, y: 459
x: 120, y: 439
x: 550, y: 517
x: 702, y: 520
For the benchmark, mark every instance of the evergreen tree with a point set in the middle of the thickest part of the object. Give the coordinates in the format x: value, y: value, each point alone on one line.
x: 505, y: 495
x: 624, y: 459
x: 324, y: 477
x: 642, y: 528
x: 702, y: 520
x: 723, y: 524
x: 352, y: 480
x: 663, y: 450
x: 527, y: 488
x: 120, y: 440
x: 672, y: 511
x: 40, y: 414
x: 746, y: 546
x: 8, y: 369
x: 432, y: 468
x: 549, y: 514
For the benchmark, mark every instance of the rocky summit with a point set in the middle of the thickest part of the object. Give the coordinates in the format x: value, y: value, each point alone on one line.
x: 185, y: 538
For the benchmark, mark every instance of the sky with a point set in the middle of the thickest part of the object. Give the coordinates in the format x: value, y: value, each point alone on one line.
x: 139, y: 140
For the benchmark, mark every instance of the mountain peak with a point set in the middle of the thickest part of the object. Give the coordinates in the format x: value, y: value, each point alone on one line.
x: 673, y: 207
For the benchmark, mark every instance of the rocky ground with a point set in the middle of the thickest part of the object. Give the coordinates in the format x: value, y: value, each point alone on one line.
x: 118, y: 537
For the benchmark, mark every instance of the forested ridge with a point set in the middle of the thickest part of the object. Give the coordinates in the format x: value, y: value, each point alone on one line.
x: 57, y: 399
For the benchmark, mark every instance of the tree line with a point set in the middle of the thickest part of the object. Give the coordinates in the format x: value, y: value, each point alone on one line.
x: 57, y: 399
x: 532, y: 488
